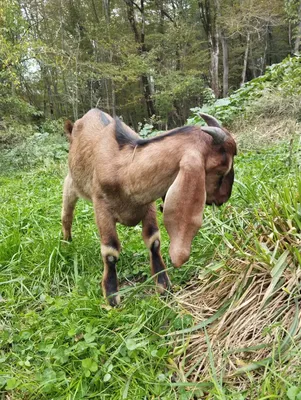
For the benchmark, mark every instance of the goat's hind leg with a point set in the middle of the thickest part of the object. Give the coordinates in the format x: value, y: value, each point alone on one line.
x: 110, y: 249
x: 70, y: 198
x: 151, y: 237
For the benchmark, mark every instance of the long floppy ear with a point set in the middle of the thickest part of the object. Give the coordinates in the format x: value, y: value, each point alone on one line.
x: 183, y: 207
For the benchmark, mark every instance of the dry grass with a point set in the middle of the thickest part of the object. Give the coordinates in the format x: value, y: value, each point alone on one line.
x: 266, y: 131
x: 270, y: 120
x: 258, y: 322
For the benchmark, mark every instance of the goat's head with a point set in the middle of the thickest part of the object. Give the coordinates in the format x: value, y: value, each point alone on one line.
x: 219, y: 164
x: 206, y: 176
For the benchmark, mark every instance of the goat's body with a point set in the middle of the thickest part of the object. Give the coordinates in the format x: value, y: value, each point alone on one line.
x: 120, y: 183
x: 123, y: 175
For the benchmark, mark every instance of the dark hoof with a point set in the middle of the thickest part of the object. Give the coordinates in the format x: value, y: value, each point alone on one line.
x: 163, y: 284
x: 113, y: 300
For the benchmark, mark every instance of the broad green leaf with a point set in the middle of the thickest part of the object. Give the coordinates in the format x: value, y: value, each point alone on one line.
x: 107, y: 377
x: 131, y: 344
x: 11, y: 383
x: 292, y: 392
x: 87, y: 362
x: 94, y: 366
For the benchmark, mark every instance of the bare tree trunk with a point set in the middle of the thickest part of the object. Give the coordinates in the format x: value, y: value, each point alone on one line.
x: 267, y: 59
x: 75, y: 96
x: 161, y: 23
x: 113, y: 98
x: 298, y: 37
x: 224, y: 43
x: 140, y: 40
x: 264, y: 57
x: 214, y: 50
x: 177, y: 51
x: 244, y: 70
x: 208, y: 18
x: 107, y: 95
x: 252, y: 64
x: 95, y: 11
x: 58, y: 104
x: 48, y: 99
x: 91, y: 93
x: 65, y: 104
x: 225, y: 65
x: 112, y: 106
x: 145, y: 80
x: 290, y: 35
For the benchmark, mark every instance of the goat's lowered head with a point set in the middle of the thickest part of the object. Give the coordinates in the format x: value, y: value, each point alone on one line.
x: 219, y: 164
x: 206, y: 177
x: 220, y: 172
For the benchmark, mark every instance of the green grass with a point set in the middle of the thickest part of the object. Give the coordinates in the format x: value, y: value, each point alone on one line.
x: 58, y: 338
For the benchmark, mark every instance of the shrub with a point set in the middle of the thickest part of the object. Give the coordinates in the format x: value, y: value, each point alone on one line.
x: 283, y: 80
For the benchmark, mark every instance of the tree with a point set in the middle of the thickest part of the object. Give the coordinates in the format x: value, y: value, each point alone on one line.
x: 139, y: 34
x: 208, y: 15
x: 145, y: 60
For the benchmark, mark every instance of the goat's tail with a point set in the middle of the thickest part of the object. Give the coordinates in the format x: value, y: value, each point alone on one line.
x: 68, y: 130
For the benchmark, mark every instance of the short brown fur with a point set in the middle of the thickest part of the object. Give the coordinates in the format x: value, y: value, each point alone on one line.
x: 123, y: 183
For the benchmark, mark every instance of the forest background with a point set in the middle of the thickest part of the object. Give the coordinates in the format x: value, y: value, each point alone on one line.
x: 147, y: 61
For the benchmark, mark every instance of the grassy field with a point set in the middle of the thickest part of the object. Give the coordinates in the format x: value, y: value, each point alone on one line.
x: 230, y: 329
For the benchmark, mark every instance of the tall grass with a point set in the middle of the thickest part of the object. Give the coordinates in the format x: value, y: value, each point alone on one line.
x: 59, y: 339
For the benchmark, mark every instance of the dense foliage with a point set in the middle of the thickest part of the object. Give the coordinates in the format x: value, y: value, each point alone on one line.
x: 144, y: 60
x: 280, y: 80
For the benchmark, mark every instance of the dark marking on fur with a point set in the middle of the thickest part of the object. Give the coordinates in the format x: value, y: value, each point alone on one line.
x: 151, y: 229
x: 178, y: 131
x: 110, y: 283
x: 112, y: 187
x: 113, y: 242
x: 124, y: 137
x: 158, y: 265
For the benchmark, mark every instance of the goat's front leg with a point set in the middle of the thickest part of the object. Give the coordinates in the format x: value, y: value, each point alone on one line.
x: 151, y: 237
x: 110, y: 249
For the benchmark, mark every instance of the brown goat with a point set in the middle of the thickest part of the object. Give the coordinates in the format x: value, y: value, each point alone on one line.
x: 123, y: 175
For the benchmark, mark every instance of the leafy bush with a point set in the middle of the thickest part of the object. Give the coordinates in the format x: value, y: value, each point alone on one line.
x: 145, y: 130
x: 14, y: 133
x: 29, y: 146
x: 283, y: 78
